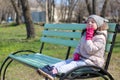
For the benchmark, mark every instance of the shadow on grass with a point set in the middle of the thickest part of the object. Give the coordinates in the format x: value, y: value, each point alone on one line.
x: 9, y: 25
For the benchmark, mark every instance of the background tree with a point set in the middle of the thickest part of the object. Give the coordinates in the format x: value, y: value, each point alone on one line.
x: 89, y: 7
x: 42, y: 4
x: 47, y: 11
x: 80, y: 11
x: 50, y: 6
x: 62, y: 10
x: 6, y: 10
x: 71, y: 6
x: 94, y: 6
x: 66, y: 10
x: 103, y: 11
x: 115, y: 10
x: 17, y: 11
x: 28, y: 19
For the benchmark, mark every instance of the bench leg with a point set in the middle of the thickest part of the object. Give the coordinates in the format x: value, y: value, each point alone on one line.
x: 4, y: 67
x: 71, y: 75
x: 7, y: 62
x: 74, y: 77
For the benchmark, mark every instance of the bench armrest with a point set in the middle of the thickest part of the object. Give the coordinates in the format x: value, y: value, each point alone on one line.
x: 83, y: 72
x: 23, y: 51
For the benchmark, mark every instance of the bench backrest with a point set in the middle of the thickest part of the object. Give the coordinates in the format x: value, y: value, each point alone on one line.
x: 70, y: 34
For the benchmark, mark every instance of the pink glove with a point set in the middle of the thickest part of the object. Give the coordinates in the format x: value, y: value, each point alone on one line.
x: 89, y: 32
x: 76, y: 56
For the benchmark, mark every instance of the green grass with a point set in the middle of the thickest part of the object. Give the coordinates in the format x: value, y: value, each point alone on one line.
x: 117, y: 44
x: 13, y: 38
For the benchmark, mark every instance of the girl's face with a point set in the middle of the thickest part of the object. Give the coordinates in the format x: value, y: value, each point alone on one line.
x: 91, y: 22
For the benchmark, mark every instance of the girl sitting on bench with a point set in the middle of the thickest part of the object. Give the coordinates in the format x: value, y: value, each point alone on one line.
x: 90, y: 50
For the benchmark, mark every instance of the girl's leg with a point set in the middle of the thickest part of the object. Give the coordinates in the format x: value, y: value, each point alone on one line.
x: 59, y: 64
x: 65, y: 68
x: 46, y: 72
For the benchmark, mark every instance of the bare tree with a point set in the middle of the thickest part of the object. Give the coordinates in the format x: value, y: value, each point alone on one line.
x: 42, y: 4
x: 28, y: 19
x: 71, y: 6
x: 88, y: 4
x: 103, y: 11
x: 80, y: 11
x: 118, y: 1
x: 91, y: 6
x: 115, y: 10
x: 50, y: 5
x: 47, y: 11
x: 18, y: 12
x: 66, y: 10
x: 53, y: 10
x: 6, y: 10
x: 63, y: 10
x: 94, y: 6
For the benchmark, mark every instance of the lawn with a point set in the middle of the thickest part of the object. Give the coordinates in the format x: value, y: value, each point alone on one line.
x: 13, y: 38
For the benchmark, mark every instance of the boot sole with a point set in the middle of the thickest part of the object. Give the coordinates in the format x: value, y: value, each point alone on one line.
x: 45, y: 74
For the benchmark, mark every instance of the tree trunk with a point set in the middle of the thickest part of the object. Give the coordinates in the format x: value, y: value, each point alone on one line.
x: 53, y: 9
x: 71, y: 6
x: 49, y: 10
x: 104, y: 8
x: 88, y: 7
x: 50, y: 5
x: 18, y: 12
x: 28, y: 19
x: 94, y: 6
x: 63, y: 10
x: 47, y: 20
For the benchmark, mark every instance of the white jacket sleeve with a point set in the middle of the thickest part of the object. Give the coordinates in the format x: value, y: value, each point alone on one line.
x: 93, y: 46
x: 77, y: 49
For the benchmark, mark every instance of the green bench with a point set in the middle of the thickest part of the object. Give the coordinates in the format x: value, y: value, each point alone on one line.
x: 66, y: 35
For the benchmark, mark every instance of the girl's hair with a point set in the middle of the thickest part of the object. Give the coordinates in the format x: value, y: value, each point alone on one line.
x: 103, y: 27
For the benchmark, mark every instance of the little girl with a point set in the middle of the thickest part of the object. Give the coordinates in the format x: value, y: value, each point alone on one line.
x: 90, y: 50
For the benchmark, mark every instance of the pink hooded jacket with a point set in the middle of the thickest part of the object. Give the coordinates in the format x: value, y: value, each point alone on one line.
x: 92, y: 51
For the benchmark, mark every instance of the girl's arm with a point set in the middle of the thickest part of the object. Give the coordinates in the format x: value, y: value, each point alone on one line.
x: 93, y: 46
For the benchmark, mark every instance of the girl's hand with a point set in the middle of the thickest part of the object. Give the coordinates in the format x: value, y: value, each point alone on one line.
x: 76, y: 56
x: 89, y: 32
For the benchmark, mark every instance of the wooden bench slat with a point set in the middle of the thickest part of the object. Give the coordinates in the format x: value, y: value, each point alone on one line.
x: 62, y: 34
x: 67, y: 42
x: 65, y: 26
x: 110, y: 37
x: 72, y: 43
x: 35, y: 60
x: 72, y: 34
x: 111, y: 27
x: 107, y: 48
x: 74, y: 26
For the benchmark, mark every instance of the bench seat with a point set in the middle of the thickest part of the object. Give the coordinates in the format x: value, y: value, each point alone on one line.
x: 36, y: 60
